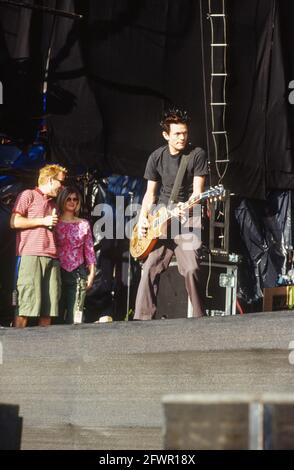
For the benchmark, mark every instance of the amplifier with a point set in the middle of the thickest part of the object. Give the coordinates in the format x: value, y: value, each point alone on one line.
x: 220, y: 256
x: 218, y: 288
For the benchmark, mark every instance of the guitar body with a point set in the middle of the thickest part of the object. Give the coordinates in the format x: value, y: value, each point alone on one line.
x: 141, y: 247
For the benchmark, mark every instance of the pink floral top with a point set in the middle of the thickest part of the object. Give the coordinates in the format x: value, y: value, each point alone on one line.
x: 74, y: 244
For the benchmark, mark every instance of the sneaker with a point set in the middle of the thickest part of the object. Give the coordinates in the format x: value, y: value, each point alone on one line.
x: 105, y: 319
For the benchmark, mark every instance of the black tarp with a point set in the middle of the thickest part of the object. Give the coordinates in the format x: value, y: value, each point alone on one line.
x: 113, y: 73
x: 260, y: 119
x: 265, y: 238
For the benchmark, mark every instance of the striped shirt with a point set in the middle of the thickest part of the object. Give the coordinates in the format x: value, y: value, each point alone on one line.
x: 37, y: 241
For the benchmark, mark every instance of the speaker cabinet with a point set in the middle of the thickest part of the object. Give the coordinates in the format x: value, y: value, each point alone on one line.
x: 218, y: 288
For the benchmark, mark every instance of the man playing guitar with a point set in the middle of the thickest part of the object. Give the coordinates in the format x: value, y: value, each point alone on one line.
x: 161, y: 171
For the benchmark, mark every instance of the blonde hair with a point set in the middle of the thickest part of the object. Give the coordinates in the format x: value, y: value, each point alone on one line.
x: 50, y: 171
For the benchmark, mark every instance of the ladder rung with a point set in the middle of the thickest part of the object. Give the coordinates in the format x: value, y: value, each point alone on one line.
x: 219, y: 132
x: 218, y: 45
x: 216, y: 14
x: 219, y: 74
x: 218, y: 104
x: 222, y: 161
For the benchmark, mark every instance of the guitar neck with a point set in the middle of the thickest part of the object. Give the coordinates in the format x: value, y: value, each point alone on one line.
x: 173, y: 213
x: 217, y: 191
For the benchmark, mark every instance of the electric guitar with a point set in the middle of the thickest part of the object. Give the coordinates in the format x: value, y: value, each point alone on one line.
x: 140, y: 247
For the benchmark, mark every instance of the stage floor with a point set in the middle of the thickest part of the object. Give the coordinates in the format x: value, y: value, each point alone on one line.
x: 99, y: 386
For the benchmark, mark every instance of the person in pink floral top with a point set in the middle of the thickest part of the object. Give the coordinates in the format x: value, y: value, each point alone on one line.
x: 76, y: 254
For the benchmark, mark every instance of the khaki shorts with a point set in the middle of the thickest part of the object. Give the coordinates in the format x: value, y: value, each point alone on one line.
x: 39, y: 286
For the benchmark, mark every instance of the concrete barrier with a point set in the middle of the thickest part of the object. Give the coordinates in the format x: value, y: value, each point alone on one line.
x: 229, y: 421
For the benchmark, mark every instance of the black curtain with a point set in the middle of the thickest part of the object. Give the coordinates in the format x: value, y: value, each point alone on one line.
x: 259, y: 116
x: 113, y: 74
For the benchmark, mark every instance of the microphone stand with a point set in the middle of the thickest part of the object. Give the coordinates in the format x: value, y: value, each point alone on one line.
x: 84, y: 179
x: 129, y: 264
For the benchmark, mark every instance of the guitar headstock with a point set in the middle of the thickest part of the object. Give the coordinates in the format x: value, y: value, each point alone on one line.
x: 215, y: 192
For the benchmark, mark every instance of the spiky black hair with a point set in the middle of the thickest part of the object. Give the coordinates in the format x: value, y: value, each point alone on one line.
x: 173, y: 116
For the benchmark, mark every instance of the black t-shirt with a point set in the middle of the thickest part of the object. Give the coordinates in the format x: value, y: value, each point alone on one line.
x: 163, y: 167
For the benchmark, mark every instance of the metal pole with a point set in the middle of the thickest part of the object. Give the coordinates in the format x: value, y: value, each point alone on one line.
x: 129, y: 264
x: 51, y: 11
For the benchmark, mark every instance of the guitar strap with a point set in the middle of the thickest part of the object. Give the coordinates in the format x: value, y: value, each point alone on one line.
x: 179, y: 178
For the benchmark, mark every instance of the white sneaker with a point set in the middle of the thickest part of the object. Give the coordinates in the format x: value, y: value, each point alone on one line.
x: 105, y: 319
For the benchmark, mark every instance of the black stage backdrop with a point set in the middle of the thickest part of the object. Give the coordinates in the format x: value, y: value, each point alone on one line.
x: 261, y: 60
x: 113, y: 73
